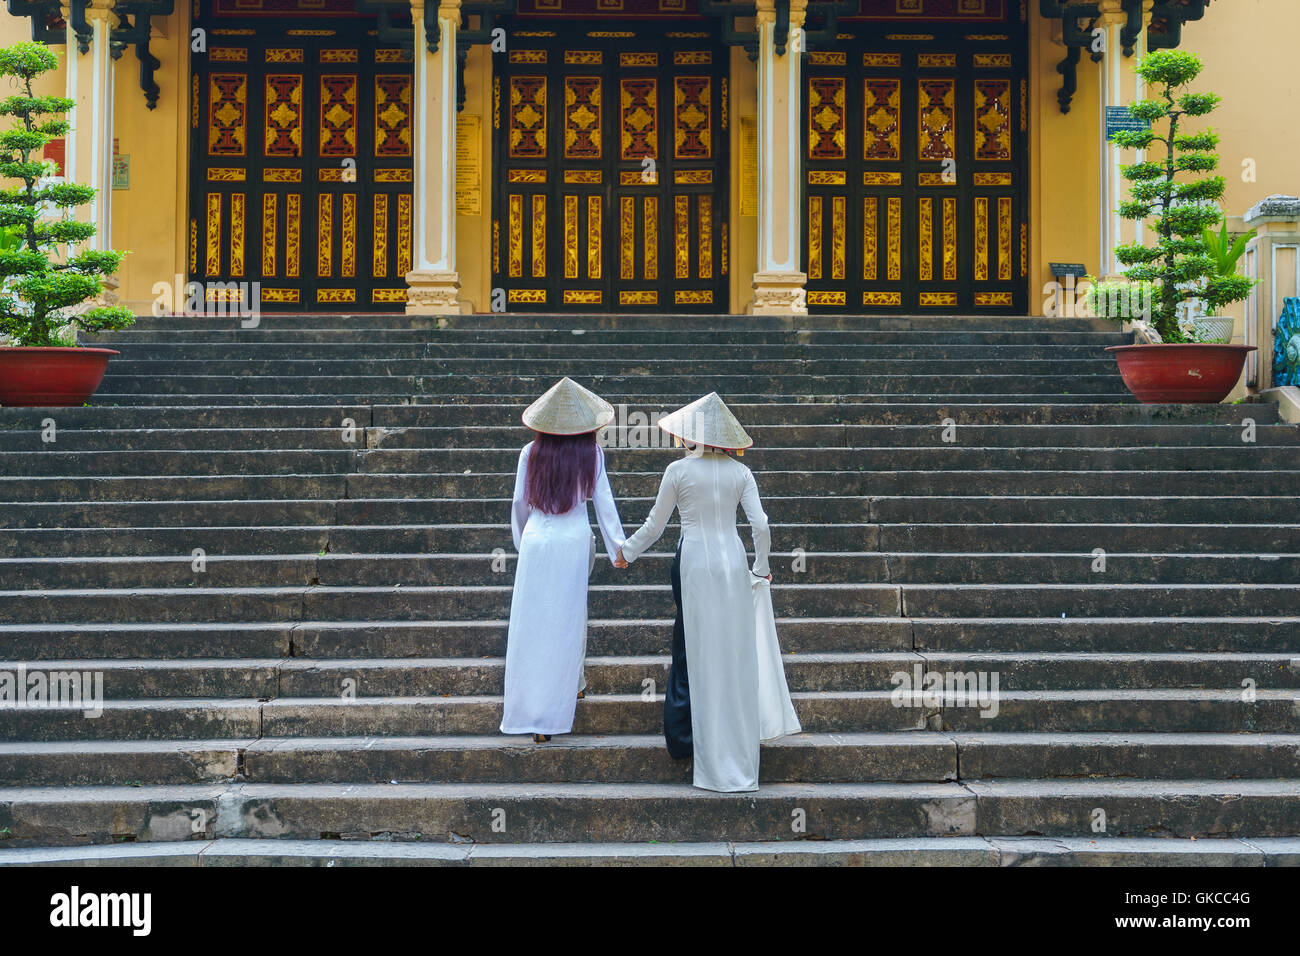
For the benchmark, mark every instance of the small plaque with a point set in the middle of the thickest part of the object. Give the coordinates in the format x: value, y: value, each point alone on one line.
x: 121, y: 170
x: 1063, y: 269
x: 469, y: 179
x: 1119, y: 118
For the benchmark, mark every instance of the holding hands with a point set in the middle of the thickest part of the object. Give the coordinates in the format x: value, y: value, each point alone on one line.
x: 619, y: 560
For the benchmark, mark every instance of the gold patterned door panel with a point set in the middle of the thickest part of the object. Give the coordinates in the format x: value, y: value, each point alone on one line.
x: 610, y: 188
x: 302, y: 168
x: 916, y: 187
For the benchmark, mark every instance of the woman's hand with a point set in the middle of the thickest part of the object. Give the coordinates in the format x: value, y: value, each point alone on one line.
x: 619, y: 560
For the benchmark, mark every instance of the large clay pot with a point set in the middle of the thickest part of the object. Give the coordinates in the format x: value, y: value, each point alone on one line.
x: 54, y: 377
x: 1171, y: 373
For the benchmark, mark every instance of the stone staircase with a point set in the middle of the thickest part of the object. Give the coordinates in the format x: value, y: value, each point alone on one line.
x: 326, y: 688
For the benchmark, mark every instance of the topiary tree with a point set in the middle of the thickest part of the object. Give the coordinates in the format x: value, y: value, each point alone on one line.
x: 42, y: 278
x: 1178, y: 262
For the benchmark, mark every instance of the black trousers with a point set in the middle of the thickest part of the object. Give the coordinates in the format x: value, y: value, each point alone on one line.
x: 677, y: 696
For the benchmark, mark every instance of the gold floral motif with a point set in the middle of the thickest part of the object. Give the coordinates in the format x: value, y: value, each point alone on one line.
x: 949, y: 239
x: 388, y: 296
x: 348, y: 236
x: 693, y: 177
x: 227, y: 114
x: 826, y: 118
x: 927, y: 60
x: 539, y: 237
x: 194, y: 101
x: 582, y: 117
x: 882, y: 298
x: 582, y: 177
x: 827, y: 58
x: 933, y: 299
x: 392, y: 114
x: 403, y: 234
x: 292, y: 235
x: 986, y: 299
x: 284, y: 56
x: 638, y: 59
x: 528, y: 56
x: 880, y: 117
x: 526, y: 176
x: 594, y: 237
x: 638, y: 118
x: 527, y: 138
x: 220, y: 174
x: 704, y: 217
x: 626, y: 237
x: 392, y: 174
x: 870, y: 178
x: 213, y: 263
x: 639, y: 297
x: 827, y: 297
x: 635, y: 177
x: 338, y: 114
x: 515, y: 234
x: 570, y: 237
x: 693, y: 296
x: 894, y: 234
x: 1024, y: 250
x: 379, y: 237
x: 990, y: 61
x: 722, y: 102
x: 827, y: 177
x: 338, y: 56
x: 814, y: 237
x: 839, y: 238
x: 528, y: 296
x: 496, y: 102
x: 228, y: 54
x: 692, y: 134
x: 583, y: 57
x: 992, y: 119
x: 324, y: 235
x: 582, y: 297
x: 280, y: 296
x: 281, y: 174
x: 981, y: 239
x: 882, y: 59
x: 194, y: 245
x: 870, y: 244
x: 496, y: 247
x: 335, y: 296
x: 238, y: 204
x: 1004, y: 237
x: 935, y: 179
x: 724, y: 250
x: 992, y: 179
x: 650, y: 236
x: 282, y: 135
x: 926, y: 237
x: 937, y: 115
x: 682, y: 236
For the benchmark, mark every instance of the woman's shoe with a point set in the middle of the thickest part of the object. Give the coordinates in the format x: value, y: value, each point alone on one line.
x: 541, y: 738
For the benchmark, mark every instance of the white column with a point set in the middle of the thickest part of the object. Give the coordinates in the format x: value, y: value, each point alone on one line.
x: 433, y: 286
x: 88, y: 150
x: 778, y: 281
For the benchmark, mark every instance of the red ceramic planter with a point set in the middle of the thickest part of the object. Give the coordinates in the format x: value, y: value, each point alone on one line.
x: 1175, y: 373
x: 51, y: 377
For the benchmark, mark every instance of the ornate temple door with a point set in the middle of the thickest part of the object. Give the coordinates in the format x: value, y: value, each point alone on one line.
x: 301, y: 166
x: 610, y: 190
x: 916, y: 186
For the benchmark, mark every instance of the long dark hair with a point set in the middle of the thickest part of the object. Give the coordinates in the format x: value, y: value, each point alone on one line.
x: 561, y: 471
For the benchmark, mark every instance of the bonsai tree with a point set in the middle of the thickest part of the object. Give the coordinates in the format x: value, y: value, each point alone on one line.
x: 42, y: 278
x: 1176, y: 191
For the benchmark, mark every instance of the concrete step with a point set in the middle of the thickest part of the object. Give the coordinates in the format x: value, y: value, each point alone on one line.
x: 492, y: 568
x: 483, y: 674
x: 920, y: 851
x: 810, y: 758
x: 609, y: 813
x: 1164, y: 710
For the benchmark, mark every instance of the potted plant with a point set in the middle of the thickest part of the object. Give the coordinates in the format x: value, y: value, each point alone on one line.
x: 47, y: 287
x: 1224, y: 252
x: 1177, y: 193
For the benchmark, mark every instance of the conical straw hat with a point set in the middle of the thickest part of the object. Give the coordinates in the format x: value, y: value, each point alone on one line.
x: 568, y: 409
x: 707, y: 421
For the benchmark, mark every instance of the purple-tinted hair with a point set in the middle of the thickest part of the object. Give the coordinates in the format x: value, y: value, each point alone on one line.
x: 561, y: 471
